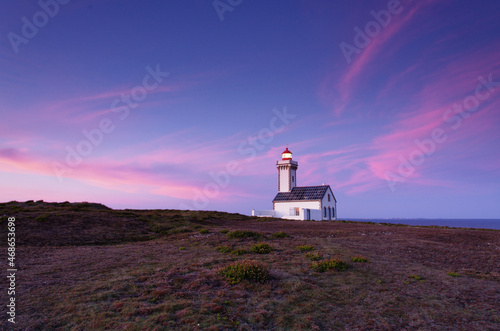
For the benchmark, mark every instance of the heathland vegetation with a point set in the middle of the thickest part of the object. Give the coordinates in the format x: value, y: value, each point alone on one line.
x: 84, y: 266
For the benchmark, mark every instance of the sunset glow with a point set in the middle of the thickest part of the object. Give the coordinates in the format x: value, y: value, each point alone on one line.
x: 165, y: 105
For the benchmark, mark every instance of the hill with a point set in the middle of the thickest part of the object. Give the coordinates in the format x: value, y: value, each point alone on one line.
x: 86, y: 266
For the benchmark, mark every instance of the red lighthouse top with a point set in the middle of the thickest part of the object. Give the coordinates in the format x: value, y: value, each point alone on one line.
x: 286, y: 155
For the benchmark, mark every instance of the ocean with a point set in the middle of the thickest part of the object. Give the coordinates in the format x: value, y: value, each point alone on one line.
x: 458, y: 223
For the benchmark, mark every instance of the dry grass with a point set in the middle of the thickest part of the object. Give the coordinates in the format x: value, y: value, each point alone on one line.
x: 87, y: 267
x: 242, y: 234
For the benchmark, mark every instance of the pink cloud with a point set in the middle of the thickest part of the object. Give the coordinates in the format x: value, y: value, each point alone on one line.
x: 88, y: 107
x: 411, y: 138
x: 159, y: 167
x: 346, y: 84
x: 449, y: 86
x: 364, y: 167
x: 107, y: 174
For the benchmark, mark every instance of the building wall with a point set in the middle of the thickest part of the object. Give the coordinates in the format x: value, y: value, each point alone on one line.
x: 304, y: 214
x: 331, y: 207
x: 284, y: 207
x: 308, y: 210
x: 314, y: 214
x: 266, y: 213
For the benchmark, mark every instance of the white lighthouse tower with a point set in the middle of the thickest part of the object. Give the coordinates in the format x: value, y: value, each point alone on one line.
x: 287, y: 172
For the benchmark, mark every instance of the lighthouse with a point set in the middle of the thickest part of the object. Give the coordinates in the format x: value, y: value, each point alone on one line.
x: 299, y: 202
x: 287, y: 172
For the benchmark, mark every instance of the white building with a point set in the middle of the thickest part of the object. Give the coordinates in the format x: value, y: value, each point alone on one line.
x: 299, y: 202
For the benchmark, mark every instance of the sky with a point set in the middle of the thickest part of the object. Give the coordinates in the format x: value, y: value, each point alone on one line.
x: 189, y: 104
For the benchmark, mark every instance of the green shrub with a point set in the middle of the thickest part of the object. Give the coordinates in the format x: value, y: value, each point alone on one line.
x: 224, y: 249
x: 336, y: 264
x: 416, y: 277
x: 359, y: 259
x: 182, y: 248
x: 280, y: 234
x: 453, y: 274
x: 314, y: 256
x: 243, y: 234
x: 306, y: 248
x: 239, y: 252
x: 224, y: 231
x: 261, y: 248
x: 238, y: 271
x: 203, y: 231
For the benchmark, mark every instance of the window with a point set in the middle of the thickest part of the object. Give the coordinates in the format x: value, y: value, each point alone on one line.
x: 293, y: 178
x: 294, y: 211
x: 324, y: 208
x: 329, y: 213
x: 328, y: 196
x: 297, y: 211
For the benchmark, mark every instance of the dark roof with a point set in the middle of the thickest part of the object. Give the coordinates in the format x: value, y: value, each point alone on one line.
x: 303, y: 193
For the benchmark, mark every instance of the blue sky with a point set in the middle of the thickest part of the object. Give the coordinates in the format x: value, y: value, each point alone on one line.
x: 170, y: 104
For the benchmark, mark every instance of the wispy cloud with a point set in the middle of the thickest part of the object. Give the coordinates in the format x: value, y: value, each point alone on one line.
x: 174, y: 165
x: 381, y: 45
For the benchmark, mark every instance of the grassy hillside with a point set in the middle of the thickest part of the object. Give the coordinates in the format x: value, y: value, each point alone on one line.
x: 64, y: 224
x: 85, y: 266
